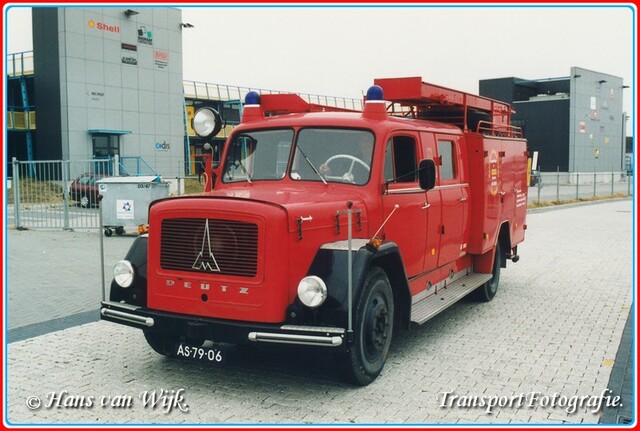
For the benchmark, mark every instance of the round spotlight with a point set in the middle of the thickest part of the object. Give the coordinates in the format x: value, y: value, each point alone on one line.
x: 123, y: 273
x: 312, y: 291
x: 206, y: 122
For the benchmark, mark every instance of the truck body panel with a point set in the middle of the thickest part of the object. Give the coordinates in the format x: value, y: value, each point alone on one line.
x: 324, y: 227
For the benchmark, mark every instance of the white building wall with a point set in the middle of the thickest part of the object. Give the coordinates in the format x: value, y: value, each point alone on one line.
x: 112, y: 78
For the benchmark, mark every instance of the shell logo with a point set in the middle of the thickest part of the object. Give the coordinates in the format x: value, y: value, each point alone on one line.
x: 98, y: 25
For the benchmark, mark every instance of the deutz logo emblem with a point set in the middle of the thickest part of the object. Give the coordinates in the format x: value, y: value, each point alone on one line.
x: 205, y: 260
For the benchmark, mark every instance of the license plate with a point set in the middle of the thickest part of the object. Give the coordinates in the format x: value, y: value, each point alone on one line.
x: 206, y: 354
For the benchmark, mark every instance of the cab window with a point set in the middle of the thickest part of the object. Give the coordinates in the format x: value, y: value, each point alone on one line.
x: 400, y: 164
x: 447, y: 160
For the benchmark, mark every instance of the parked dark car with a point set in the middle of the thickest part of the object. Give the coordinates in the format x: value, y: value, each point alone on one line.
x: 535, y: 178
x: 84, y: 189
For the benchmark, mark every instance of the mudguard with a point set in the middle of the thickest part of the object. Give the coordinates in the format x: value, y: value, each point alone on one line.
x: 330, y: 264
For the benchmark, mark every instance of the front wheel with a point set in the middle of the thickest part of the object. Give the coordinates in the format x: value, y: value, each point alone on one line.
x: 373, y: 329
x: 166, y: 344
x: 161, y: 343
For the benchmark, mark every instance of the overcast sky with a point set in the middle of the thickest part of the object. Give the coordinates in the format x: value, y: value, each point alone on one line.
x: 340, y: 50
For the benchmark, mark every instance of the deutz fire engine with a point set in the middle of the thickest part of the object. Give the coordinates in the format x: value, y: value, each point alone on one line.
x: 326, y: 228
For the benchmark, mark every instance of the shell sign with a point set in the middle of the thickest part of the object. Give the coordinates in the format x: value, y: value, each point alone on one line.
x: 104, y: 27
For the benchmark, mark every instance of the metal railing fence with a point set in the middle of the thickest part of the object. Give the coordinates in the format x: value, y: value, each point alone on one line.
x: 221, y: 92
x: 39, y: 194
x: 62, y: 194
x: 580, y: 186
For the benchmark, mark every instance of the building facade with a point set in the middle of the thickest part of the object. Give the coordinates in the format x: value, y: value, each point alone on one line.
x: 109, y: 82
x: 575, y: 123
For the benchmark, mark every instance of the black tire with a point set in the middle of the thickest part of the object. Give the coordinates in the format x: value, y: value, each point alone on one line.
x: 161, y: 343
x: 487, y: 291
x: 373, y: 330
x: 84, y: 201
x: 108, y: 232
x: 165, y: 345
x: 119, y: 230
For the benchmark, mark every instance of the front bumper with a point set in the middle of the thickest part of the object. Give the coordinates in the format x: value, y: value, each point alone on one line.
x: 218, y: 330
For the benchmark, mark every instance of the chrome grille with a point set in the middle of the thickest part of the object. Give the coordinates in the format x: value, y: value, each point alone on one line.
x: 210, y: 246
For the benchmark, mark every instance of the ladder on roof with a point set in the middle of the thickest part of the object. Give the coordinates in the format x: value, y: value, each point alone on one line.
x: 411, y: 97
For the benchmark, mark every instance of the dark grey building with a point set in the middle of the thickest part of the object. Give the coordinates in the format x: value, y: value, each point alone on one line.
x: 575, y: 123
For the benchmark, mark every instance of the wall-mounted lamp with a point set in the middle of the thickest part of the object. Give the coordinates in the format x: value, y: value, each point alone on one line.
x: 186, y: 25
x: 131, y: 12
x: 577, y: 75
x: 602, y: 81
x: 625, y: 86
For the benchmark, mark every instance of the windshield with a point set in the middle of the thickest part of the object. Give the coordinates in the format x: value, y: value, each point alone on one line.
x: 321, y: 154
x: 258, y: 155
x: 333, y: 155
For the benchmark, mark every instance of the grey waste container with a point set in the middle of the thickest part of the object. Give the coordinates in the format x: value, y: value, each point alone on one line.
x: 126, y: 200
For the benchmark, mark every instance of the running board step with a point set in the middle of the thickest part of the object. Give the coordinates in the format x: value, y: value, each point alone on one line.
x: 445, y: 297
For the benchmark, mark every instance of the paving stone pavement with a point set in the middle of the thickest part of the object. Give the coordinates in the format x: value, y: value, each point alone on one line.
x: 54, y: 274
x: 554, y: 327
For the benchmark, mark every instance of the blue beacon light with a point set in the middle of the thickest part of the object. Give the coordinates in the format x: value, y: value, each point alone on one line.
x: 252, y: 98
x: 375, y: 93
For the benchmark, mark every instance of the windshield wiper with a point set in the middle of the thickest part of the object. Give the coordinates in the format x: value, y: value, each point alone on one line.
x: 244, y: 169
x: 311, y: 164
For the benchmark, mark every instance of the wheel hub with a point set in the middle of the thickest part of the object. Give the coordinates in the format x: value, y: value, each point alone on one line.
x: 376, y: 329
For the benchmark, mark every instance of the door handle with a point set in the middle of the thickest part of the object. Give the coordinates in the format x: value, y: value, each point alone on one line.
x: 425, y: 206
x: 463, y: 198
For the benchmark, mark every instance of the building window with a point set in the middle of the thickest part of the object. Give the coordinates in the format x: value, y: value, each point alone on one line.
x: 106, y: 145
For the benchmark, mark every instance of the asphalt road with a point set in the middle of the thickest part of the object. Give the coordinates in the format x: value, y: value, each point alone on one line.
x: 553, y: 330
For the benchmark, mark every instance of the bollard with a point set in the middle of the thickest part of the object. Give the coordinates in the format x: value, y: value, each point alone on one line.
x: 557, y: 183
x: 628, y: 185
x: 612, y: 179
x: 594, y: 184
x: 539, y: 187
x: 16, y: 192
x: 65, y: 193
x: 104, y: 290
x: 577, y: 185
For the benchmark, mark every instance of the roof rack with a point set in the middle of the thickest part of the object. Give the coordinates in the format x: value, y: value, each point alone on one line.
x: 411, y: 97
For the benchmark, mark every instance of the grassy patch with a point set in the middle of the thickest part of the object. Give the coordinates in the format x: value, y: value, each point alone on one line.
x: 37, y: 192
x: 191, y: 185
x: 542, y: 204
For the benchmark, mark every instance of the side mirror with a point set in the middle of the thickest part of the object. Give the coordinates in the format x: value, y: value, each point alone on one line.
x: 427, y: 174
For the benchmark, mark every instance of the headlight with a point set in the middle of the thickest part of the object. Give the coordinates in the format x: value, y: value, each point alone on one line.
x: 312, y: 291
x: 206, y: 122
x: 123, y: 273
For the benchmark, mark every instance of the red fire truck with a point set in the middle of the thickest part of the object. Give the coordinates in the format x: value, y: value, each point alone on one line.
x: 331, y: 229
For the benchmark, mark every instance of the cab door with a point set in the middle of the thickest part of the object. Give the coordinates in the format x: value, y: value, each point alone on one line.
x: 407, y: 226
x: 433, y: 208
x: 454, y: 197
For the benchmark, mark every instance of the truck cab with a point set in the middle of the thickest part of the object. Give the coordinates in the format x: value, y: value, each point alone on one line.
x: 328, y: 228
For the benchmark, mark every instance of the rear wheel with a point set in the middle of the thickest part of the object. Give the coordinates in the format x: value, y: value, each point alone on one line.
x: 84, y: 201
x: 373, y: 329
x: 487, y: 291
